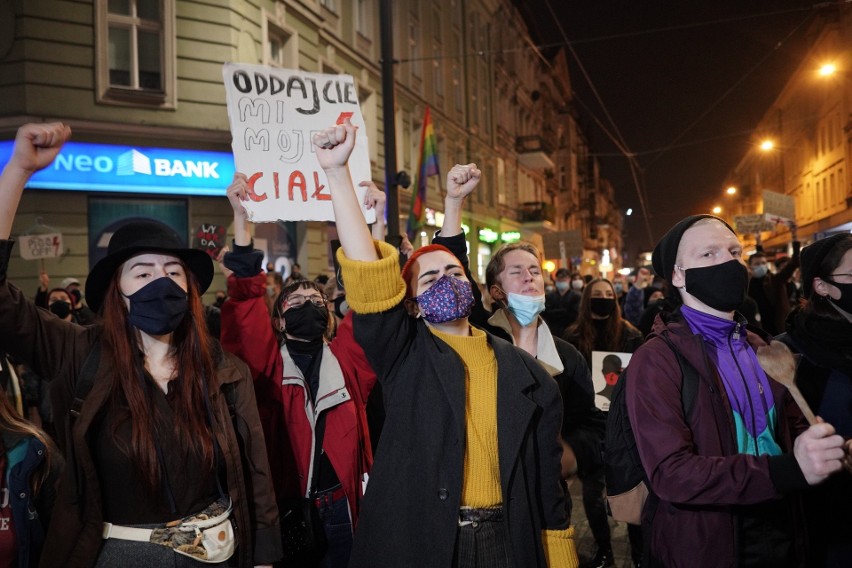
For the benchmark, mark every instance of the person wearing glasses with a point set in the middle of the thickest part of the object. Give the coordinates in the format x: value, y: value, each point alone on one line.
x: 820, y: 330
x: 311, y: 391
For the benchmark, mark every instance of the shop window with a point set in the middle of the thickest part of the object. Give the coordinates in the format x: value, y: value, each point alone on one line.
x: 135, y: 52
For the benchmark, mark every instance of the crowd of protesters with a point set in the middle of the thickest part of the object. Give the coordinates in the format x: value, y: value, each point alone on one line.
x: 386, y: 416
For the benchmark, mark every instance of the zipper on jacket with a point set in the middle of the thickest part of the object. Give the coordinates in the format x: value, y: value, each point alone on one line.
x: 736, y: 335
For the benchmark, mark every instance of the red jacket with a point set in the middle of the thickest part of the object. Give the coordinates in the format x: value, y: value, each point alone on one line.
x: 286, y: 411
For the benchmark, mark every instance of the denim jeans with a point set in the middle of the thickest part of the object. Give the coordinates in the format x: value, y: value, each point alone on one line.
x: 338, y: 530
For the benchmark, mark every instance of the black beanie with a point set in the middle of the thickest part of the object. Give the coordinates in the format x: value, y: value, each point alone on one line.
x: 664, y: 256
x: 812, y: 256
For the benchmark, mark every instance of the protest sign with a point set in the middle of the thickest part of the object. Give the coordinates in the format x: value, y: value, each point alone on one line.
x: 778, y: 208
x: 563, y: 243
x: 751, y: 224
x: 273, y: 114
x: 210, y: 238
x: 34, y: 247
x: 606, y: 368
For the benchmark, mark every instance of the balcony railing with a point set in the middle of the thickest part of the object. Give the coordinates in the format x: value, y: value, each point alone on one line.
x: 534, y: 152
x: 536, y: 212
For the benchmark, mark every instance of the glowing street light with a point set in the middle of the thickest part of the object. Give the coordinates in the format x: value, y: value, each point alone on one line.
x: 717, y: 210
x: 828, y: 70
x: 731, y: 190
x: 767, y: 145
x: 629, y: 211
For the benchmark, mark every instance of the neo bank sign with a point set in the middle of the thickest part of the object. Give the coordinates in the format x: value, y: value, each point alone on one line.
x: 157, y: 171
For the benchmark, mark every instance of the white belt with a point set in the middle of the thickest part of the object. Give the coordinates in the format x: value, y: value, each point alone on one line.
x: 126, y: 533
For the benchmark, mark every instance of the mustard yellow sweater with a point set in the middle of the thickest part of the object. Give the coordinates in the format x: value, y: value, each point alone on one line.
x: 373, y: 287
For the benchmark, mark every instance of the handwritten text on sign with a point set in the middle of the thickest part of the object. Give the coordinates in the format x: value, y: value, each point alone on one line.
x: 273, y: 114
x: 34, y: 247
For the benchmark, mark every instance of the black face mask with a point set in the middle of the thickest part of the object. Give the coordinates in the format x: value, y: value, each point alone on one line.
x: 158, y: 307
x: 341, y: 306
x: 60, y: 308
x: 722, y: 286
x: 77, y: 295
x: 602, y: 306
x: 845, y: 301
x: 306, y: 322
x: 219, y: 301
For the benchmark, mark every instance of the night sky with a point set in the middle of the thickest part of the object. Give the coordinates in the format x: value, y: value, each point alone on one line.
x: 662, y: 69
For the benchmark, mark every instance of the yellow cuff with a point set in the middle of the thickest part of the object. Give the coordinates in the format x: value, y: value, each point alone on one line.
x: 372, y: 286
x: 559, y: 548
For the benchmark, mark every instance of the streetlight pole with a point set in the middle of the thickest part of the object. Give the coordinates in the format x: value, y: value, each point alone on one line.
x: 389, y: 118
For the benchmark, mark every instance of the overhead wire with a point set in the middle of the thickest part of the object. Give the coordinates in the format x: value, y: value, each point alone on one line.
x: 618, y: 139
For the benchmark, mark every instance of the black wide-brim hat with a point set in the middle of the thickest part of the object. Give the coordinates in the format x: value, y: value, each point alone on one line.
x: 140, y: 237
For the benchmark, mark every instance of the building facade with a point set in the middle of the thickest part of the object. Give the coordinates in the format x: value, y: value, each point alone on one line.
x: 810, y: 126
x: 140, y: 81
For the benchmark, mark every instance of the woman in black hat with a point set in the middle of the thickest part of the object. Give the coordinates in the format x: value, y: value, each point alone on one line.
x: 820, y: 329
x: 150, y: 413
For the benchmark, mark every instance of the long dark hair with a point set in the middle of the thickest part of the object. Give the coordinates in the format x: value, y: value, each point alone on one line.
x: 583, y: 333
x: 193, y: 352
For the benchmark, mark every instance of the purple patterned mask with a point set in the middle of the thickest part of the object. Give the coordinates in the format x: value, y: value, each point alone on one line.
x: 448, y: 299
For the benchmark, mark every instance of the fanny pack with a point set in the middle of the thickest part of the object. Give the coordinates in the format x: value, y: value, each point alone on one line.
x: 207, y: 536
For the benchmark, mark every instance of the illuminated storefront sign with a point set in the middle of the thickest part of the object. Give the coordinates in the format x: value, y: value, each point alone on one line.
x: 133, y: 169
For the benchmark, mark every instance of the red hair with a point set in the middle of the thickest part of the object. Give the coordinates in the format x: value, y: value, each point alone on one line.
x: 409, y: 266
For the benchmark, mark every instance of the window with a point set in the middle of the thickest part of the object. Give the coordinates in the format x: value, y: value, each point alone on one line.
x: 363, y: 17
x: 135, y: 46
x: 282, y: 47
x: 330, y: 5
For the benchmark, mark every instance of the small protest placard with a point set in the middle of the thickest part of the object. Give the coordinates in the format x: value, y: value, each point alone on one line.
x: 273, y: 114
x: 778, y: 208
x: 606, y: 368
x: 47, y: 245
x: 570, y: 242
x: 751, y: 224
x: 210, y: 238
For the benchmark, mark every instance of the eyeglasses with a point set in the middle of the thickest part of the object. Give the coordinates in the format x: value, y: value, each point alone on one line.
x: 296, y: 300
x: 847, y: 274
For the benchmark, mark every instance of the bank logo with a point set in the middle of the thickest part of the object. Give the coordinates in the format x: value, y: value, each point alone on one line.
x: 133, y: 162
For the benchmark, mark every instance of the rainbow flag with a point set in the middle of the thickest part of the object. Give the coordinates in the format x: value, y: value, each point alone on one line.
x: 427, y: 165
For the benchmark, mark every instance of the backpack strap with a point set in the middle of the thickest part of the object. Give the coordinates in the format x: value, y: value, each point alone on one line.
x: 689, y: 379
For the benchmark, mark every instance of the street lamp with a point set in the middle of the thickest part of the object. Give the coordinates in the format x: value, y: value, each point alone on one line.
x: 717, y: 210
x: 731, y: 190
x: 767, y: 145
x: 827, y: 70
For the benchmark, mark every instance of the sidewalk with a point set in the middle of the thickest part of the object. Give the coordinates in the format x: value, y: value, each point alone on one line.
x: 585, y: 542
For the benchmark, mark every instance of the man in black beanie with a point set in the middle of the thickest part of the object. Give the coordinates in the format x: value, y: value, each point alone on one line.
x: 722, y: 470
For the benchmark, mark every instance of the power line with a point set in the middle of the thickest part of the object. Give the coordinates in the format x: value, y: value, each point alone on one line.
x: 567, y: 43
x: 618, y: 139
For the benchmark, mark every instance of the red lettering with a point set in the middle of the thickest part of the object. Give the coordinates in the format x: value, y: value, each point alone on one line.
x: 318, y: 195
x: 275, y: 184
x: 252, y: 194
x: 343, y: 115
x: 297, y: 180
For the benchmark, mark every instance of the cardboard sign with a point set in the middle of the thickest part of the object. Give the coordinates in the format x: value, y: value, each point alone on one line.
x: 751, y: 224
x: 210, y: 238
x: 567, y: 243
x: 34, y: 247
x: 606, y: 367
x: 778, y: 208
x: 273, y: 114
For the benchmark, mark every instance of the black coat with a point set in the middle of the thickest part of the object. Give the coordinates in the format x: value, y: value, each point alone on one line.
x: 410, y: 510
